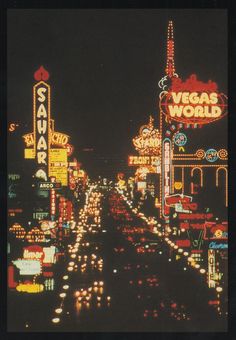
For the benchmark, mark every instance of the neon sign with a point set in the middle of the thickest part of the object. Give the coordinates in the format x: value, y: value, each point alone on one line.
x: 12, y: 127
x: 49, y: 185
x: 215, y: 245
x: 166, y: 170
x: 142, y: 160
x: 57, y: 139
x: 149, y: 140
x: 30, y: 288
x: 33, y: 253
x: 195, y: 216
x: 53, y: 199
x: 49, y: 254
x: 193, y: 102
x: 180, y: 139
x: 183, y: 243
x: 211, y: 155
x: 28, y: 266
x: 41, y: 122
x: 211, y: 268
x: 29, y: 139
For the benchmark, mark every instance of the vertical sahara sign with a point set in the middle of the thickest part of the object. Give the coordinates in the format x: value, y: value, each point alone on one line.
x: 41, y: 110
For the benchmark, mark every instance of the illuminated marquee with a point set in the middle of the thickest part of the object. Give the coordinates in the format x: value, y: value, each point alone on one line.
x: 49, y: 254
x: 29, y: 139
x: 166, y: 171
x: 41, y: 103
x: 53, y: 199
x: 142, y: 160
x: 57, y: 139
x: 215, y: 245
x: 33, y: 253
x: 211, y: 268
x: 148, y: 142
x: 59, y: 171
x: 28, y: 266
x: 30, y: 288
x: 180, y: 139
x: 193, y: 102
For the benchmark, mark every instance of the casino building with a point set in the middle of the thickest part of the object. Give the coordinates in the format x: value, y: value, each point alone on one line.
x: 181, y: 154
x: 54, y: 174
x: 198, y: 164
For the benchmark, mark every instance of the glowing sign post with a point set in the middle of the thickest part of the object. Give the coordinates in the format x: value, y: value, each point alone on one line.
x: 166, y: 173
x: 53, y: 199
x: 49, y: 148
x: 148, y: 145
x: 211, y: 268
x: 41, y: 104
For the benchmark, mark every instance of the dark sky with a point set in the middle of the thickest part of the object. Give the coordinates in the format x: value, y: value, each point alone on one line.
x: 105, y: 66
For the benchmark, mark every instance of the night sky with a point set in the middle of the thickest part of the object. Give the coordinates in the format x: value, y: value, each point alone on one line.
x: 104, y: 70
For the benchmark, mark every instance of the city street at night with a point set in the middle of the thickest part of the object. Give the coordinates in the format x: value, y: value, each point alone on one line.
x: 117, y: 171
x: 115, y: 263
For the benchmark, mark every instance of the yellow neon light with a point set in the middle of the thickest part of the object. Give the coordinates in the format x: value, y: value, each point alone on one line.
x: 29, y: 154
x: 30, y: 288
x: 178, y: 185
x: 29, y: 139
x: 57, y: 138
x: 52, y: 125
x: 48, y: 114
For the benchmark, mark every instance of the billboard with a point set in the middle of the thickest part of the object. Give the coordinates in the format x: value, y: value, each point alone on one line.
x: 28, y: 266
x: 193, y: 101
x: 143, y: 160
x: 59, y: 172
x: 148, y: 142
x: 41, y: 110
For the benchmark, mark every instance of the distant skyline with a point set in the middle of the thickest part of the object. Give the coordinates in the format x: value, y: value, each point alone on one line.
x: 104, y: 70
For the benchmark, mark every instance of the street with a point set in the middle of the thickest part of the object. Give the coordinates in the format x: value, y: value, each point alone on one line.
x: 109, y: 283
